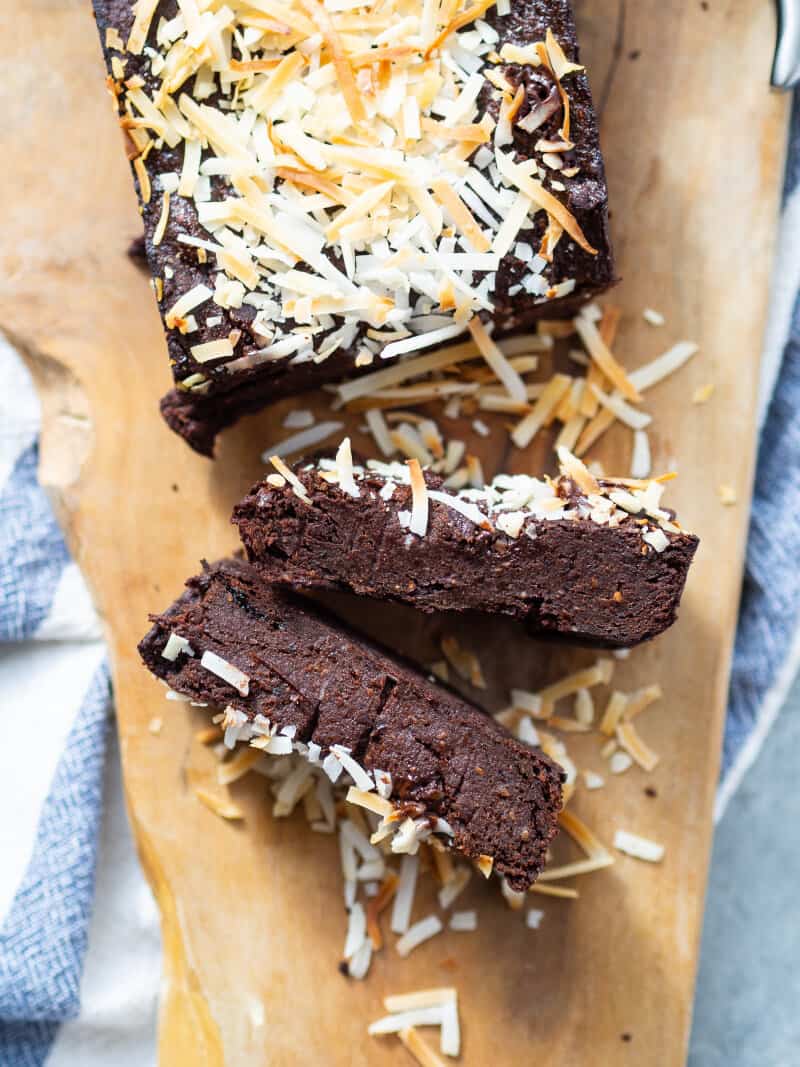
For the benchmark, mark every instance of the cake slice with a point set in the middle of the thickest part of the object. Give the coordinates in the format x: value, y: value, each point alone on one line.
x: 321, y: 189
x: 592, y: 561
x: 292, y: 679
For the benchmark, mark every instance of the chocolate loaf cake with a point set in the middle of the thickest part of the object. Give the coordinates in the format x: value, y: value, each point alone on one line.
x: 282, y: 669
x: 321, y: 189
x: 591, y: 561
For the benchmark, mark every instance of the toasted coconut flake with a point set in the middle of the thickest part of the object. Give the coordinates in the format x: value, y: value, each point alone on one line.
x: 419, y: 497
x: 512, y: 223
x: 175, y: 646
x: 380, y: 431
x: 526, y: 701
x: 511, y: 523
x: 144, y: 11
x: 639, y: 847
x: 402, y: 372
x: 461, y: 215
x: 291, y: 478
x: 533, y: 919
x: 505, y: 373
x: 515, y: 898
x: 595, y: 429
x: 463, y: 921
x: 422, y: 998
x: 190, y: 300
x: 237, y: 767
x: 468, y: 15
x: 418, y: 341
x: 543, y: 199
x: 356, y: 930
x: 344, y: 72
x: 572, y: 467
x: 485, y: 864
x: 636, y: 420
x: 604, y: 358
x: 419, y: 1049
x: 620, y: 762
x: 226, y: 671
x: 703, y: 393
x: 640, y: 700
x: 569, y: 726
x: 221, y: 806
x: 450, y: 892
x: 593, y: 781
x: 376, y: 905
x: 219, y: 349
x: 304, y: 440
x: 363, y: 779
x: 440, y: 669
x: 145, y: 188
x: 673, y: 359
x: 525, y: 431
x: 475, y: 472
x: 463, y: 662
x: 584, y: 707
x: 344, y: 469
x: 431, y: 1015
x: 421, y: 931
x: 570, y: 432
x: 407, y: 440
x: 371, y: 801
x: 598, y: 674
x: 564, y: 892
x: 404, y: 898
x: 161, y: 225
x: 209, y: 735
x: 657, y: 539
x: 527, y: 732
x: 641, y: 464
x: 630, y: 740
x: 463, y: 507
x: 615, y: 709
x: 598, y: 855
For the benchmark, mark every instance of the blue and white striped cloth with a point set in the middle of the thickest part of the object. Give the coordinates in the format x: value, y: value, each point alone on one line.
x: 64, y: 1003
x: 54, y: 736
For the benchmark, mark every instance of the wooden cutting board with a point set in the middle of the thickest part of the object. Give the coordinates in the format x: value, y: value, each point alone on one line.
x: 252, y: 915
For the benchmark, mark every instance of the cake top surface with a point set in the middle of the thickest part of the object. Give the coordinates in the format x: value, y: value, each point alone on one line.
x: 360, y: 171
x: 508, y: 502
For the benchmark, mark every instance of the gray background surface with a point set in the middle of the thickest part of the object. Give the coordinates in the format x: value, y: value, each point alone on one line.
x: 747, y: 1011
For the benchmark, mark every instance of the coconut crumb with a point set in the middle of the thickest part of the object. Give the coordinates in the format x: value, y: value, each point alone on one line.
x: 639, y: 847
x: 420, y: 932
x: 221, y: 806
x: 703, y: 393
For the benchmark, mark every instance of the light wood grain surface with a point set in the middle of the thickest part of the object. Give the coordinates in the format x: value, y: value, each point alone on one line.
x: 252, y: 914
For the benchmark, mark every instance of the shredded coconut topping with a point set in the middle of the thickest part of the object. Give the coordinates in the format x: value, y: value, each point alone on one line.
x: 511, y: 501
x: 346, y: 170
